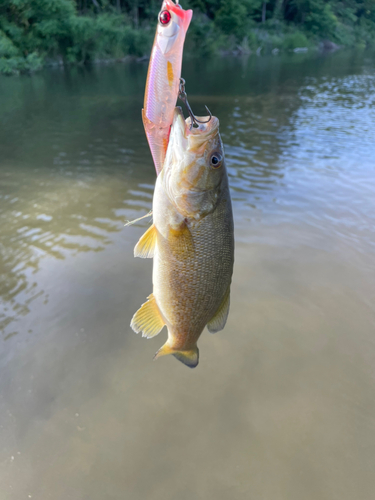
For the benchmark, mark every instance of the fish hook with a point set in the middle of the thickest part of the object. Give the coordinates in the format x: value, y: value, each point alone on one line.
x: 183, y: 96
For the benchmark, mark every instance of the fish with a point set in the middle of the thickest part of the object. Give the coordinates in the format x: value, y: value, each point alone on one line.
x: 191, y: 241
x: 163, y: 78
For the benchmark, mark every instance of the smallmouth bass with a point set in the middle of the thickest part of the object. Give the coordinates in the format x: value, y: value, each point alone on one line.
x: 191, y: 241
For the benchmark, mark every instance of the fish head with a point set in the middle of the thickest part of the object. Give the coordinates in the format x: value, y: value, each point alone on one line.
x: 172, y: 26
x: 194, y: 168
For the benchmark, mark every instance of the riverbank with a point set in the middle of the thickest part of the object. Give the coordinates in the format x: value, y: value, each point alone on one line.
x: 259, y: 42
x: 40, y: 34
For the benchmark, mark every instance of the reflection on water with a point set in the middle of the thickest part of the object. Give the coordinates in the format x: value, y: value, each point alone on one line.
x: 57, y: 213
x: 281, y: 406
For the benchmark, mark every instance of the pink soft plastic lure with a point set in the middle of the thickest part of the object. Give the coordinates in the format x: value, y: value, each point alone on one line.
x: 163, y: 78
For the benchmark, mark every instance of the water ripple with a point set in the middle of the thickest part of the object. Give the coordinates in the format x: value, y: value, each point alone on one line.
x: 300, y: 150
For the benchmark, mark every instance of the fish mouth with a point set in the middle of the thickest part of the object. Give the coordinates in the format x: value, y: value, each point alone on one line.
x: 179, y: 123
x: 203, y: 131
x: 182, y: 139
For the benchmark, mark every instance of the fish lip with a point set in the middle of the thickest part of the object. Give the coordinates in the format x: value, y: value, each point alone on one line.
x: 179, y: 122
x: 195, y: 133
x: 202, y: 129
x: 207, y: 127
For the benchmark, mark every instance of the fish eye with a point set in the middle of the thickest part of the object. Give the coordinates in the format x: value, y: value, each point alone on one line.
x: 165, y: 17
x: 216, y: 160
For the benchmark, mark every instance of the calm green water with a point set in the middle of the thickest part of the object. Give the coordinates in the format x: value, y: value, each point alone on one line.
x: 282, y: 404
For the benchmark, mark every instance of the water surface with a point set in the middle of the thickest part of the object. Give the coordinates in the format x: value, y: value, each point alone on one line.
x: 282, y: 404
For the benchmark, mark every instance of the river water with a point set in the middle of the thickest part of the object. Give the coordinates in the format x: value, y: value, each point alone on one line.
x: 281, y: 406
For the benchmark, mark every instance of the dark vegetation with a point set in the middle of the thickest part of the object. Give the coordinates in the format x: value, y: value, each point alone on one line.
x: 34, y: 33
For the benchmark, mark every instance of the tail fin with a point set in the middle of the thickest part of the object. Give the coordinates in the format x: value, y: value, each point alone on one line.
x: 190, y: 358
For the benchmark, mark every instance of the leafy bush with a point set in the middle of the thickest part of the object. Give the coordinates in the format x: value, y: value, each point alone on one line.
x: 7, y: 47
x: 295, y: 40
x: 17, y: 64
x: 320, y: 20
x: 231, y: 18
x: 204, y: 40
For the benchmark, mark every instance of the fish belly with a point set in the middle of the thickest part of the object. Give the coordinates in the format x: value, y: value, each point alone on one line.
x: 191, y: 282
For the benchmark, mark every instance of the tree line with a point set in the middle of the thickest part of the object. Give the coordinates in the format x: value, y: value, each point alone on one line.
x: 38, y: 32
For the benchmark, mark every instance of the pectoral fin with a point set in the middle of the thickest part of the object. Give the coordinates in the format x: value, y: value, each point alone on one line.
x: 148, y: 319
x: 146, y: 244
x: 190, y: 358
x: 217, y: 323
x: 181, y: 241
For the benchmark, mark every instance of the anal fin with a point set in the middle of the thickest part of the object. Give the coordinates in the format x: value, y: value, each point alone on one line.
x: 218, y: 321
x: 148, y: 319
x: 146, y: 244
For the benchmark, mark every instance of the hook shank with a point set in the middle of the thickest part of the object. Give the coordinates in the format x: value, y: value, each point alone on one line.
x: 183, y: 96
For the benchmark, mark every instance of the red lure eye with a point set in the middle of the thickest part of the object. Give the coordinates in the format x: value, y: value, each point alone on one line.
x: 165, y: 17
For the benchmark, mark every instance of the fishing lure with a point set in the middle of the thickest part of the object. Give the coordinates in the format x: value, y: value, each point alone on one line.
x: 163, y: 78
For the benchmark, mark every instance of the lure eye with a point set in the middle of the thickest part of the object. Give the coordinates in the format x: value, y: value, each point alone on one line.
x: 165, y: 17
x: 216, y: 160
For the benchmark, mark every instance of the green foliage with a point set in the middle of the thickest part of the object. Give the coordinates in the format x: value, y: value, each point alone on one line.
x: 7, y: 47
x: 106, y: 35
x: 320, y: 19
x: 231, y: 18
x: 17, y: 64
x: 295, y: 40
x: 35, y: 32
x: 204, y: 39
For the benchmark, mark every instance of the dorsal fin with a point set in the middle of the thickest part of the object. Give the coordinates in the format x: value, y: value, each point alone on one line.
x: 146, y: 244
x: 218, y: 321
x: 148, y: 319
